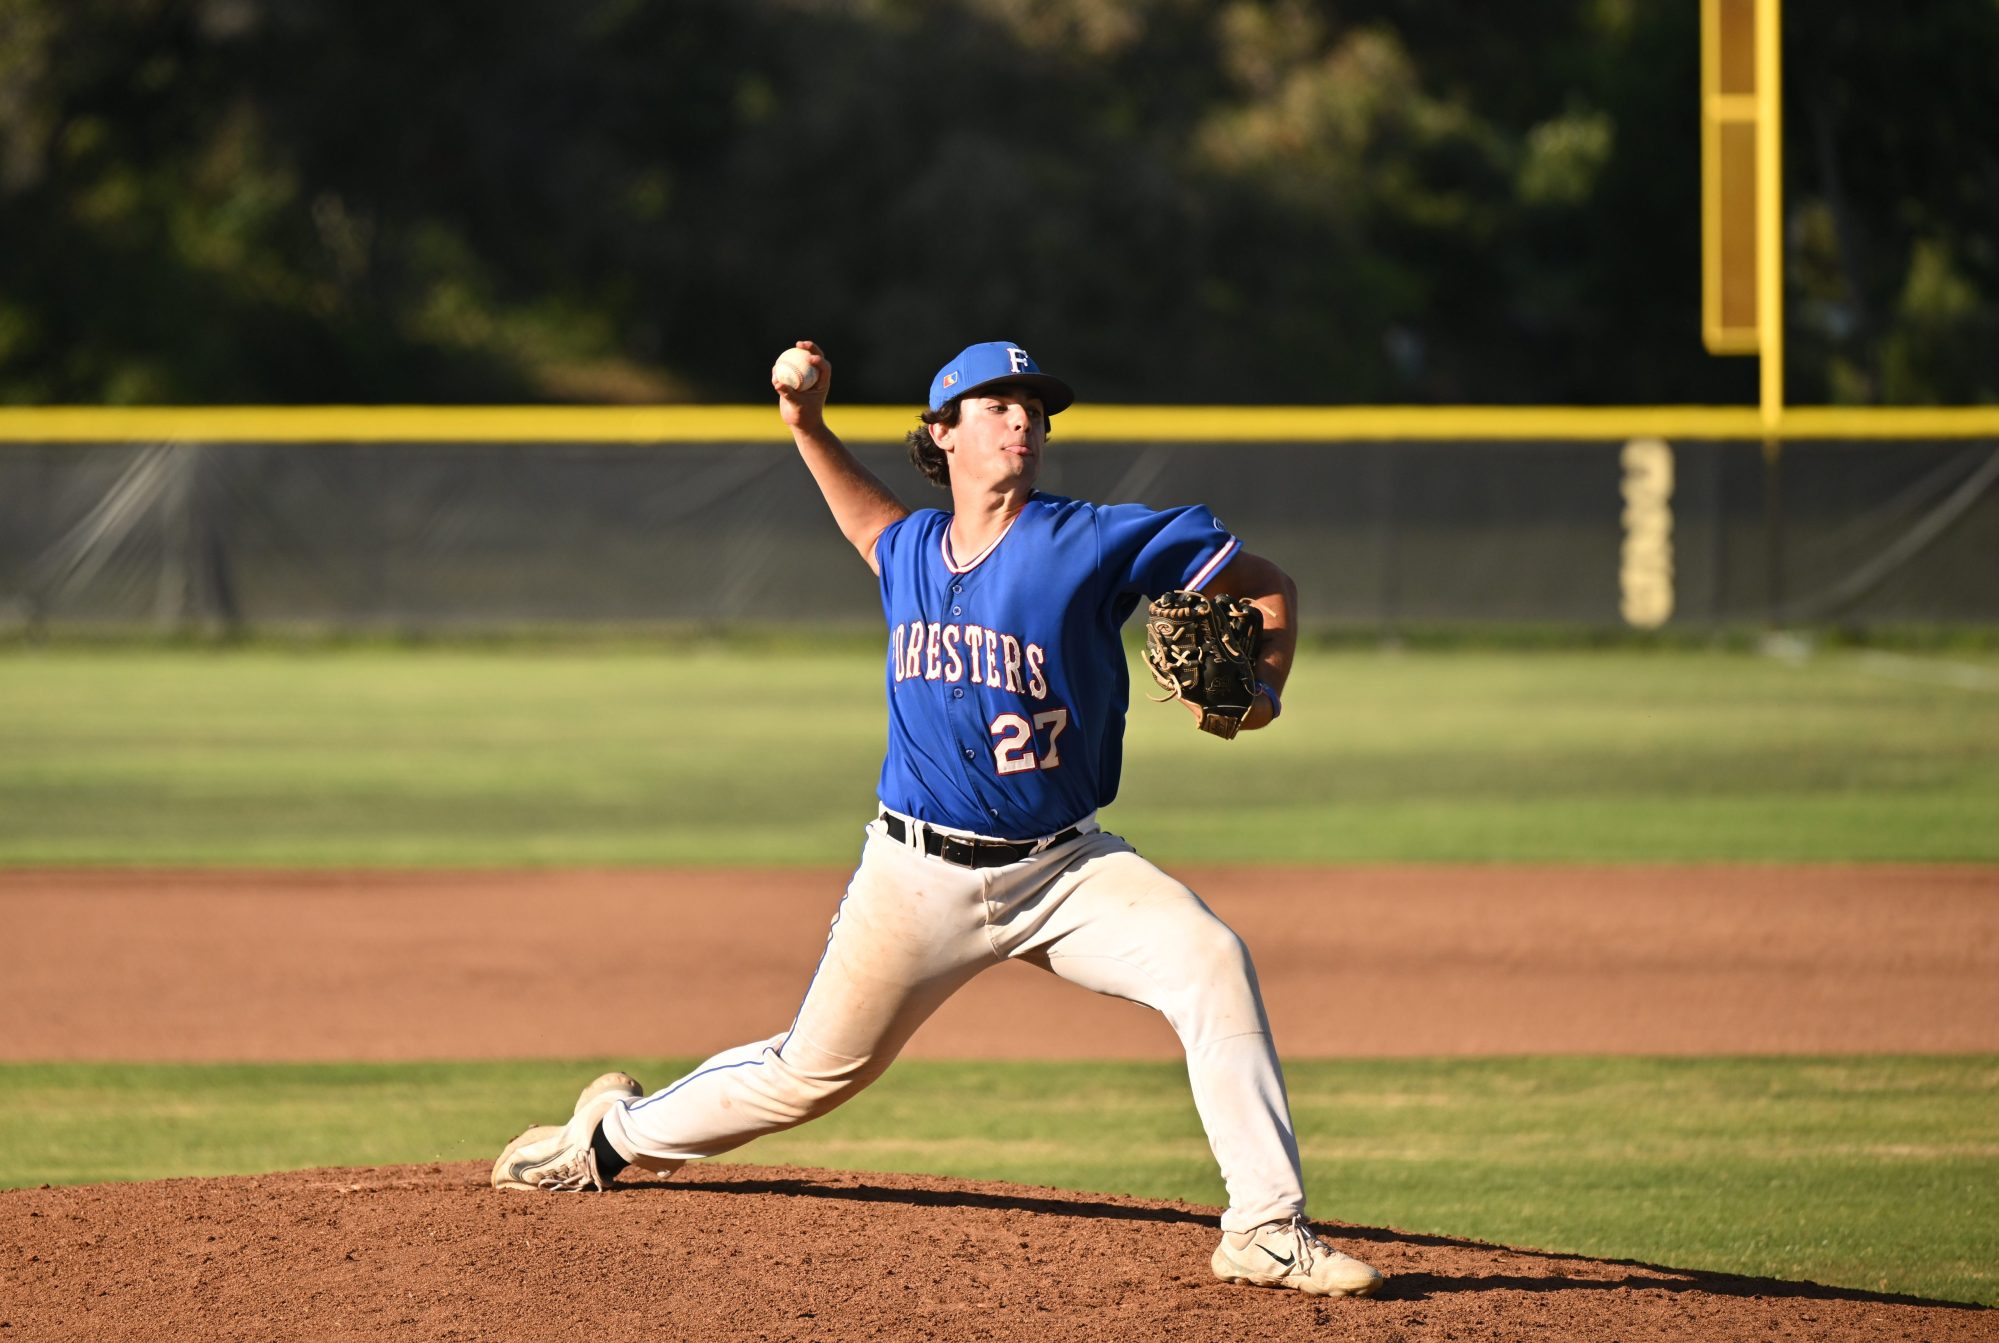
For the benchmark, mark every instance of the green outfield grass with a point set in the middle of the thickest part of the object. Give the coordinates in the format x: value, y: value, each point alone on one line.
x: 731, y: 753
x: 1874, y: 1173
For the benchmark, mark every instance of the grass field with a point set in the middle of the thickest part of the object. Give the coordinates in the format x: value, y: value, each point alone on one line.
x: 1877, y: 1173
x: 1874, y: 1173
x: 724, y: 754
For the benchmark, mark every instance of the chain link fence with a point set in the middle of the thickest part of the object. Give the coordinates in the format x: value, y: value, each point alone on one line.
x: 440, y: 536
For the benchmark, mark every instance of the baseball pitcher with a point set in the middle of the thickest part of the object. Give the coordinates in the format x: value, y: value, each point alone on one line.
x: 1006, y: 692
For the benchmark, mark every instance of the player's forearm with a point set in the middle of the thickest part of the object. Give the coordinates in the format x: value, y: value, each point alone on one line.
x: 861, y: 505
x: 1279, y: 642
x: 1268, y: 588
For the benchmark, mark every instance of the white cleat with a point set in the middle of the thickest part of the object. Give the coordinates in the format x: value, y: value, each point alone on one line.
x: 621, y: 1084
x: 560, y: 1158
x: 1287, y: 1254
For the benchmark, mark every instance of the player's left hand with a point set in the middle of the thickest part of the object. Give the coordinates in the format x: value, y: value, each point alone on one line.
x: 1259, y: 715
x: 1202, y: 649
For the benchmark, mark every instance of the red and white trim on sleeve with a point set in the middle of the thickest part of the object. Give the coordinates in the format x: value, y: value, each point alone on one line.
x: 1214, y: 566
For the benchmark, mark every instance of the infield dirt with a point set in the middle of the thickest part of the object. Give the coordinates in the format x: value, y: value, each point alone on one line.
x: 1353, y: 962
x: 429, y: 1253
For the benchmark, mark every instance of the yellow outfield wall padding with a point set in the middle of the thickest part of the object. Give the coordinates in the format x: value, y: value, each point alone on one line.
x: 887, y: 424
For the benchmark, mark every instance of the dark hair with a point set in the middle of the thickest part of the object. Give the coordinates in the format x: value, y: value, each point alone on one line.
x: 923, y: 450
x: 931, y: 460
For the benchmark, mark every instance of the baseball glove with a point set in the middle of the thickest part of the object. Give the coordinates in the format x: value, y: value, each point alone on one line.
x: 1203, y: 650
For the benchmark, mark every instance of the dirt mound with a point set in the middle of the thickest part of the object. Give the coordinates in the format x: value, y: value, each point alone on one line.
x: 420, y: 1253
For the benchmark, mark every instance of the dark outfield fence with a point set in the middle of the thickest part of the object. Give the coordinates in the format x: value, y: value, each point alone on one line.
x: 436, y: 535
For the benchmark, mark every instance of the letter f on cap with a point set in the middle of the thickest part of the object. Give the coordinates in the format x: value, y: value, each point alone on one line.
x: 980, y: 366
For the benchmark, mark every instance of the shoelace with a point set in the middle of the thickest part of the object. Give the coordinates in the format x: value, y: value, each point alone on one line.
x: 570, y: 1176
x: 1310, y: 1247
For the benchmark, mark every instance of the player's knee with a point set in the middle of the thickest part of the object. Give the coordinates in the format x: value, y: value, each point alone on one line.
x: 1217, y: 994
x: 1219, y: 956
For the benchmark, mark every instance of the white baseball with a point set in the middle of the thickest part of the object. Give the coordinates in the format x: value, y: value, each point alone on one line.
x: 794, y: 369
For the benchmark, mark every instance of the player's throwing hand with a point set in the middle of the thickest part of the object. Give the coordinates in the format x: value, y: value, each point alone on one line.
x: 801, y: 377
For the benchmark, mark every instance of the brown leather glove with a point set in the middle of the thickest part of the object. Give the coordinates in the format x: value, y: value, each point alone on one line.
x: 1203, y: 649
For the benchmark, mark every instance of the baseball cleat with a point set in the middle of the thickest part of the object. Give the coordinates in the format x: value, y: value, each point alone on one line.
x: 561, y: 1157
x: 1287, y: 1254
x: 621, y: 1084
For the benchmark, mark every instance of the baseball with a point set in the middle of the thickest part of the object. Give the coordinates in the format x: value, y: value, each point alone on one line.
x: 794, y: 369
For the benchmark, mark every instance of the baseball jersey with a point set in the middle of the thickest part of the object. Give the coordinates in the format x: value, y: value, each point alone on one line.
x: 1006, y: 678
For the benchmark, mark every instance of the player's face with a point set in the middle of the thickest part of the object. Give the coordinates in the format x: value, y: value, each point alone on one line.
x: 998, y: 439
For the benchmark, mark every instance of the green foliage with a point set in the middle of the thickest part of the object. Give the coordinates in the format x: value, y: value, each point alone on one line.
x: 1875, y: 1173
x: 501, y: 758
x: 304, y: 200
x: 1893, y: 263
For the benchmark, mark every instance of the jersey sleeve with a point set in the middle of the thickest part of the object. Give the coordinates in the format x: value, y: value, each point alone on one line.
x: 1149, y: 551
x: 884, y: 552
x: 885, y: 542
x: 892, y: 548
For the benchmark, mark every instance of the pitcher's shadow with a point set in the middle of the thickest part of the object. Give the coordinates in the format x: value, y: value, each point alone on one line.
x: 1404, y: 1286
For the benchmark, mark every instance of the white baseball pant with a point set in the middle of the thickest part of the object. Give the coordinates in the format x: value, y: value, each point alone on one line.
x: 913, y: 929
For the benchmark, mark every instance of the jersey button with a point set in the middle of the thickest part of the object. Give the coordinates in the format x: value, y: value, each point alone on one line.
x: 971, y: 755
x: 957, y: 587
x: 957, y: 610
x: 957, y: 692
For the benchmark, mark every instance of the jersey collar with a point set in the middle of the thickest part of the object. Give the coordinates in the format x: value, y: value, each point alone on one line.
x: 954, y: 566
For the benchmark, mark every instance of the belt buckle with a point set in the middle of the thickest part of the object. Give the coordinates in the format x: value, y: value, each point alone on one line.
x: 960, y: 851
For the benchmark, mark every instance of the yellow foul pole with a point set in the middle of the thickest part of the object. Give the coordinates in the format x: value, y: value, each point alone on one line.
x: 1769, y: 215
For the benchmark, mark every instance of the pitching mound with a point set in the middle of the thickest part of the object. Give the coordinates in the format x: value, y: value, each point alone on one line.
x: 421, y: 1253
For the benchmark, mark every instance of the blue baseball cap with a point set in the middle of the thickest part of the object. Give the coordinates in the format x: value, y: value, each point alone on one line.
x: 994, y: 362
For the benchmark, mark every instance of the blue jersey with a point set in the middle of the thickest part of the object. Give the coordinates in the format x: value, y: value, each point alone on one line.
x: 1006, y: 675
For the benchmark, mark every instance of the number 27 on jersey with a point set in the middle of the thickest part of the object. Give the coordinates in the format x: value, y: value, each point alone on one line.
x: 1020, y: 745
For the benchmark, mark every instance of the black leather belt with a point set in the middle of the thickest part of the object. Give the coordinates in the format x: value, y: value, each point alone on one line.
x: 974, y: 852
